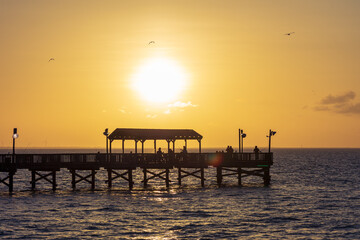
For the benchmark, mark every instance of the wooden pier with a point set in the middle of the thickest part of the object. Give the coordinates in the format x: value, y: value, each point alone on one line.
x: 121, y: 166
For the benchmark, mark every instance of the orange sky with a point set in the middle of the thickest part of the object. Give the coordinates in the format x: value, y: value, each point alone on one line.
x: 239, y: 70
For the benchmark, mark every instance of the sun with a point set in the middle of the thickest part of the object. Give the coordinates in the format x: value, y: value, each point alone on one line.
x: 159, y: 80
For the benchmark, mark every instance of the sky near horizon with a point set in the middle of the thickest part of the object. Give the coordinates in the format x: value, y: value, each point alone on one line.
x: 211, y: 66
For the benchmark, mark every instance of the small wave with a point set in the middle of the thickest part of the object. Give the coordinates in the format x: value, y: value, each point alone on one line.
x: 345, y: 227
x: 198, y: 213
x: 281, y: 219
x: 92, y: 228
x: 5, y: 233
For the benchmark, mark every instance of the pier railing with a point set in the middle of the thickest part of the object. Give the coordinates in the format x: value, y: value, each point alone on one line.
x: 121, y: 166
x: 136, y: 160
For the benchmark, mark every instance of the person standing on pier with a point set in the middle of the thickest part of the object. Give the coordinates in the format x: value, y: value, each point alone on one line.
x: 256, y: 151
x: 184, y: 153
x: 159, y: 154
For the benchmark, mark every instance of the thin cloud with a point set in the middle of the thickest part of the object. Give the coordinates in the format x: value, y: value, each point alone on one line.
x: 321, y: 108
x: 346, y: 97
x: 151, y: 116
x: 350, y: 109
x: 179, y: 104
x: 342, y: 104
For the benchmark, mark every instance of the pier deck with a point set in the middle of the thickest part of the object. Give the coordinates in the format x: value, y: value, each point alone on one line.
x: 45, y: 166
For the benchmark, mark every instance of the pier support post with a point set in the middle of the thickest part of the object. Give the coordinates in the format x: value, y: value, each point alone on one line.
x: 179, y: 176
x: 33, y: 181
x: 130, y: 176
x: 109, y: 178
x: 10, y: 176
x: 202, y: 177
x: 11, y: 181
x: 54, y: 180
x: 267, y: 176
x: 93, y: 179
x: 167, y: 178
x: 145, y: 178
x: 49, y: 177
x: 83, y: 178
x: 239, y: 176
x: 73, y: 183
x: 122, y: 175
x: 219, y: 175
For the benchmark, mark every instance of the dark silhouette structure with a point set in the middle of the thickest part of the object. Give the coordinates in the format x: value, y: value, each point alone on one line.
x: 121, y: 165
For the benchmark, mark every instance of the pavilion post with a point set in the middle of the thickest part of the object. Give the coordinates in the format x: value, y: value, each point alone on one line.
x: 173, y: 145
x: 186, y: 143
x: 154, y: 145
x: 110, y: 150
x: 123, y: 146
x: 110, y: 147
x: 142, y: 146
x: 107, y: 148
x: 199, y: 145
x: 136, y: 146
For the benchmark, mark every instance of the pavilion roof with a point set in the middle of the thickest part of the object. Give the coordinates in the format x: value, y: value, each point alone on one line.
x: 155, y: 134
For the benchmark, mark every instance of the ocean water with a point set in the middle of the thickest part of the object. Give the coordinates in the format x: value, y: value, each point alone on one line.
x: 314, y: 194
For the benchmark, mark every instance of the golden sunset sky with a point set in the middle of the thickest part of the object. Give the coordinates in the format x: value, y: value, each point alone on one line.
x: 213, y: 66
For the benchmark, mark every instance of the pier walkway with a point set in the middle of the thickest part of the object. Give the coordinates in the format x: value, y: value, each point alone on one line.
x: 45, y: 166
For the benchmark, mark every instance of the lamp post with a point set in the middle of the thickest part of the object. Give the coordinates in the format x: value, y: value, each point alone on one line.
x: 14, y: 136
x: 271, y: 133
x: 106, y: 133
x: 242, y: 135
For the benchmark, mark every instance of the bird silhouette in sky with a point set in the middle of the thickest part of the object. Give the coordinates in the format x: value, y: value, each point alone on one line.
x: 290, y: 33
x: 51, y: 59
x: 151, y: 42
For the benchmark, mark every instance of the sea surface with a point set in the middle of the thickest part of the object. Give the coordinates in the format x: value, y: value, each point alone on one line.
x: 314, y: 194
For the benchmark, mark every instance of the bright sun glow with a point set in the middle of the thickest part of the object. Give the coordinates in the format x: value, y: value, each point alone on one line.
x: 159, y: 80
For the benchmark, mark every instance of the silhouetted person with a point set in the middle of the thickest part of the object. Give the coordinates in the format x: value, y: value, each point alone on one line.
x: 229, y: 152
x: 256, y: 151
x: 171, y: 155
x: 184, y: 150
x: 159, y: 154
x: 98, y: 157
x: 184, y: 153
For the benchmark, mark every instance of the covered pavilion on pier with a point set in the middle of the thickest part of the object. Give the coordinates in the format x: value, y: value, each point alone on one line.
x: 142, y: 135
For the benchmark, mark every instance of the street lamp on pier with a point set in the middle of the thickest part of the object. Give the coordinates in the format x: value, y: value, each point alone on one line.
x: 271, y: 133
x: 106, y: 134
x: 14, y: 136
x: 242, y: 135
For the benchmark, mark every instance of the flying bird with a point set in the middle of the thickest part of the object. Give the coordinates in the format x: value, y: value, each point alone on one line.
x: 151, y: 42
x: 290, y: 33
x: 51, y: 59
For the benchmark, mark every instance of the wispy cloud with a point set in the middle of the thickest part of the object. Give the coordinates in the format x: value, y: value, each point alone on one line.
x: 179, y: 104
x: 151, y: 116
x: 350, y: 109
x: 124, y: 111
x: 342, y: 104
x: 330, y: 99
